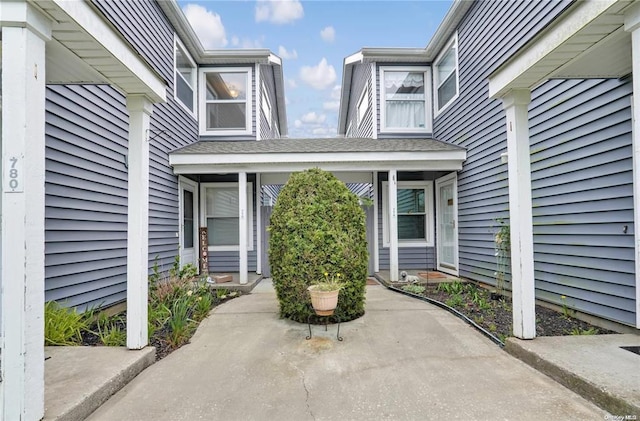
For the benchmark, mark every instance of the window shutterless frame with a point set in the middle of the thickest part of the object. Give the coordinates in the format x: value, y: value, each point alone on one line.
x: 204, y: 102
x: 429, y: 223
x: 385, y: 125
x: 445, y: 78
x: 184, y: 77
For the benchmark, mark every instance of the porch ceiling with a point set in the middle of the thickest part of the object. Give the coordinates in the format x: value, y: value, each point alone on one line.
x: 86, y: 49
x: 586, y: 41
x: 336, y: 154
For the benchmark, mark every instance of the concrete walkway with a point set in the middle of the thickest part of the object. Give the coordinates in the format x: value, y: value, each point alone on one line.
x: 404, y: 360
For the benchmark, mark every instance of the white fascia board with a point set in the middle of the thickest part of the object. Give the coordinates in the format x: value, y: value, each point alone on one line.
x: 414, y: 165
x: 564, y: 27
x: 447, y: 27
x: 287, y: 158
x: 93, y: 23
x: 353, y: 58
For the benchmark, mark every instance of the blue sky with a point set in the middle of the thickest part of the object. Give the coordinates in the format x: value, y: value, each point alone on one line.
x: 313, y: 38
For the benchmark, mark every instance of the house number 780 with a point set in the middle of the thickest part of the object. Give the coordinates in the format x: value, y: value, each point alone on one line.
x: 13, y: 175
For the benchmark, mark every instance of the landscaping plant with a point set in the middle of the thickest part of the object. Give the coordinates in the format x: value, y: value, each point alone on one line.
x: 62, y: 326
x: 317, y: 227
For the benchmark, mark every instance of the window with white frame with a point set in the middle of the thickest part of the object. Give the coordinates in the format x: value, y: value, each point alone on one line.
x: 363, y: 105
x: 221, y: 214
x: 405, y: 101
x: 445, y: 79
x: 184, y: 77
x: 225, y: 101
x: 266, y: 104
x: 414, y: 212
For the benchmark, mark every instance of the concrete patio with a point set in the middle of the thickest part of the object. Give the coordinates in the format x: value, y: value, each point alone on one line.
x: 405, y: 359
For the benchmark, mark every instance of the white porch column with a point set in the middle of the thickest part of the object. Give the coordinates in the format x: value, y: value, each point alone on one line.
x: 376, y: 251
x: 632, y: 24
x: 520, y: 214
x: 258, y: 224
x: 140, y: 109
x: 393, y: 225
x: 243, y: 231
x: 24, y: 33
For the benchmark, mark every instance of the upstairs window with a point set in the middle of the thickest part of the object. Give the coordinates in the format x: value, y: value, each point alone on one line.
x: 405, y: 100
x: 225, y: 98
x: 445, y: 79
x: 184, y: 77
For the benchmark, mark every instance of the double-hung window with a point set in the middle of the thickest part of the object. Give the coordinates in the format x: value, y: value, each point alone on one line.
x: 445, y: 80
x: 184, y: 77
x: 225, y: 101
x: 414, y: 212
x: 222, y: 216
x: 405, y: 99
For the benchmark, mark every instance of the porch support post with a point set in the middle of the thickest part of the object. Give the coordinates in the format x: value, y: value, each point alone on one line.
x: 24, y: 33
x: 243, y: 243
x: 632, y: 24
x: 258, y: 224
x: 376, y: 251
x: 520, y: 213
x: 393, y: 225
x: 140, y: 109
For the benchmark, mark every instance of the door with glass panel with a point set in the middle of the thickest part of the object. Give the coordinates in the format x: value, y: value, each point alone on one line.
x: 446, y: 221
x: 188, y: 228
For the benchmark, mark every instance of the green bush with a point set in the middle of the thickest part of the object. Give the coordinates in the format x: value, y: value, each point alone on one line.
x: 317, y: 227
x: 62, y: 326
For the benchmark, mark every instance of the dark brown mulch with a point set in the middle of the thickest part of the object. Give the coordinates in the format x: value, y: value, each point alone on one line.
x: 496, y: 317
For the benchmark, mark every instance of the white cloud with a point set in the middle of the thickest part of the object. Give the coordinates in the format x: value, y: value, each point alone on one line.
x: 320, y: 76
x: 207, y: 25
x: 313, y: 118
x: 287, y: 55
x: 291, y: 83
x: 320, y: 131
x: 336, y: 91
x: 279, y: 11
x: 328, y: 34
x: 331, y: 105
x: 297, y: 124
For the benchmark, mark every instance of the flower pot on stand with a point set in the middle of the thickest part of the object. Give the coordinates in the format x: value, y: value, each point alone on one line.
x: 324, y: 302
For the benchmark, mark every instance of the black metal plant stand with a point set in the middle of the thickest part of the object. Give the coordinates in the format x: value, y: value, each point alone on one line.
x: 326, y: 321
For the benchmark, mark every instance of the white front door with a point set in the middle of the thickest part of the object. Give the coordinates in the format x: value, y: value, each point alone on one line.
x: 188, y: 222
x: 446, y: 220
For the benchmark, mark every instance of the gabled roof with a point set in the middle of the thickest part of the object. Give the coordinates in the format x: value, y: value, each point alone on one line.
x: 400, y: 55
x: 344, y: 154
x: 227, y: 56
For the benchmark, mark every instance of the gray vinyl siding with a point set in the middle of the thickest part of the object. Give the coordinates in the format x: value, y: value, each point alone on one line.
x: 581, y: 168
x: 85, y: 196
x: 145, y: 27
x: 268, y: 131
x: 408, y: 257
x: 361, y: 79
x: 254, y: 108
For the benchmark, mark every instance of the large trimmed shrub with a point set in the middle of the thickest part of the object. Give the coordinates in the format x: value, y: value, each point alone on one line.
x: 317, y: 227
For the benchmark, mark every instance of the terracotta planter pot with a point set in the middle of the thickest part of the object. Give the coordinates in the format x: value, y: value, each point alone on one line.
x: 323, y: 302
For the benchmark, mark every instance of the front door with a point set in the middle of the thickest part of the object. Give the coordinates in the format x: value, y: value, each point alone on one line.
x: 188, y: 218
x: 446, y: 220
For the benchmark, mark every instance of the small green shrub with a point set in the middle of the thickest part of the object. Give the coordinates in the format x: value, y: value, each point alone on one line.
x: 317, y: 226
x: 62, y: 326
x: 110, y: 331
x: 202, y: 306
x: 414, y: 289
x: 180, y: 322
x: 455, y: 301
x: 590, y: 331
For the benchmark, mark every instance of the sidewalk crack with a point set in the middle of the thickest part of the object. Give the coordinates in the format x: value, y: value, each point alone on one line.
x: 304, y: 385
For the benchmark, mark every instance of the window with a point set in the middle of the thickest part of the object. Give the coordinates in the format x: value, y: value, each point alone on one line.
x: 446, y: 75
x: 221, y: 215
x: 225, y: 98
x: 415, y: 214
x: 363, y: 105
x: 266, y: 104
x: 184, y: 77
x: 405, y: 100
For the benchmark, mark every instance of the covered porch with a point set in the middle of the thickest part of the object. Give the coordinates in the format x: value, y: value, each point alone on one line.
x: 591, y: 39
x: 243, y: 178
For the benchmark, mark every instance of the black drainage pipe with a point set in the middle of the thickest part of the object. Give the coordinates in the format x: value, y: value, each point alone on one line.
x: 451, y: 310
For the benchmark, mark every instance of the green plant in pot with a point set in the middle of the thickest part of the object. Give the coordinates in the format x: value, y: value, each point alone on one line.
x: 318, y: 226
x: 324, y: 294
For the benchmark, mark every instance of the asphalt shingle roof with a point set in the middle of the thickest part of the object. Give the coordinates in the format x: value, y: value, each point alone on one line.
x: 331, y: 145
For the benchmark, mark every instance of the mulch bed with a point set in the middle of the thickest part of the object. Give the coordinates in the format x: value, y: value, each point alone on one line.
x: 496, y: 316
